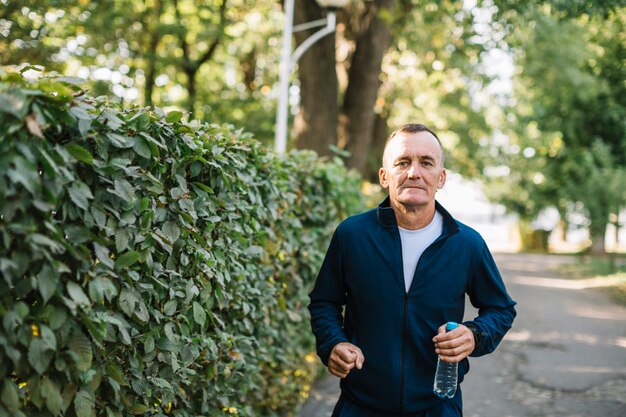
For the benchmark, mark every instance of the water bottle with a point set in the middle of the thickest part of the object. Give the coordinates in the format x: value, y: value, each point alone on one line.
x: 446, y: 373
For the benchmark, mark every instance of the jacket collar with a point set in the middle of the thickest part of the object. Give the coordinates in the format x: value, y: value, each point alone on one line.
x: 387, y: 217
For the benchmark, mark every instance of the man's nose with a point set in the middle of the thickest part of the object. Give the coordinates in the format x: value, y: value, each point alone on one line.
x: 413, y: 171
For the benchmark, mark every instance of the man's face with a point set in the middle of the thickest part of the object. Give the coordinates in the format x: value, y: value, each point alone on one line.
x: 412, y: 169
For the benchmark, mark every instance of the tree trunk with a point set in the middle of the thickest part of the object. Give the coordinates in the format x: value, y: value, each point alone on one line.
x: 598, y: 235
x: 374, y: 159
x: 563, y: 223
x: 617, y: 227
x: 316, y: 123
x: 191, y: 90
x: 357, y: 116
x: 152, y: 52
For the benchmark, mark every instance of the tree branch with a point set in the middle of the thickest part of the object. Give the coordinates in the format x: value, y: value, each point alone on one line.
x: 209, y: 53
x: 182, y: 37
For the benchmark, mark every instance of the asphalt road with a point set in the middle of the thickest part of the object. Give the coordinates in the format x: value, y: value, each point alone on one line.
x: 565, y: 356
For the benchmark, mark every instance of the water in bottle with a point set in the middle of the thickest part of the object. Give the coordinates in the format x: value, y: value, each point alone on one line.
x: 446, y: 374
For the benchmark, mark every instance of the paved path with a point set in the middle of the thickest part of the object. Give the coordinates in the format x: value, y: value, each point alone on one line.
x: 565, y: 356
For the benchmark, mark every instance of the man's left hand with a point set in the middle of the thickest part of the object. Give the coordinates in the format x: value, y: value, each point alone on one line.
x: 455, y: 345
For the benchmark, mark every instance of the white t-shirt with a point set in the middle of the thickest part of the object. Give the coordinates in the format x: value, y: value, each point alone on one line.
x: 415, y: 242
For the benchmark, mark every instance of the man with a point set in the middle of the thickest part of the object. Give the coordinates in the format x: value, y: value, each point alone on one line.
x: 402, y: 271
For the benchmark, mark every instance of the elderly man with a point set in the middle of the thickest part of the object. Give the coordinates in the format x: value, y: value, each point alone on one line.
x: 392, y: 277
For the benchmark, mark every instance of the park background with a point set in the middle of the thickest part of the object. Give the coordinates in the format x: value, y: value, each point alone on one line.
x: 527, y: 97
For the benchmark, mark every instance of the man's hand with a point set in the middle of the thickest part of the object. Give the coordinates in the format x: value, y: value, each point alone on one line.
x: 343, y: 358
x: 455, y: 345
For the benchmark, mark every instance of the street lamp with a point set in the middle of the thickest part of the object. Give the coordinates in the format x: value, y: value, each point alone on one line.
x: 288, y: 60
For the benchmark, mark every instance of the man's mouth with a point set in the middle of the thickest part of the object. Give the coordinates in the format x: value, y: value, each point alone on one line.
x: 416, y: 187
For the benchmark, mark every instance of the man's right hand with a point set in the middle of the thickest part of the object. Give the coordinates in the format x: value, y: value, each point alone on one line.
x: 343, y: 358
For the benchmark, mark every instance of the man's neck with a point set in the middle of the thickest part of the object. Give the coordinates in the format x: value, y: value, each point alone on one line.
x: 414, y: 217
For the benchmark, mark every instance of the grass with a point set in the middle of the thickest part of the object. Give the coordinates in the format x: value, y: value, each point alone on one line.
x: 600, y: 267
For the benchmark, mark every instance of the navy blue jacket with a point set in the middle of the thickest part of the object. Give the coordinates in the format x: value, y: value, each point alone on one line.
x: 363, y: 272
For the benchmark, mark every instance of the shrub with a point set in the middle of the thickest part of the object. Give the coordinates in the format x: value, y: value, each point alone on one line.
x: 152, y: 266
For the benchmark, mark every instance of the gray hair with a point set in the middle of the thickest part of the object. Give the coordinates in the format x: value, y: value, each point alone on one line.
x: 413, y: 128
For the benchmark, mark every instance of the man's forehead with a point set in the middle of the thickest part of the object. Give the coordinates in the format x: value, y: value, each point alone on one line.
x: 422, y: 144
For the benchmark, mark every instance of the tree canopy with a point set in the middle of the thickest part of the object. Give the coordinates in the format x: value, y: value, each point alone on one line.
x: 528, y: 95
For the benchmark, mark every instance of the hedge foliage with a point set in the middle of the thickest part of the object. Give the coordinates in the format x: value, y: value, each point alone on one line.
x: 152, y: 266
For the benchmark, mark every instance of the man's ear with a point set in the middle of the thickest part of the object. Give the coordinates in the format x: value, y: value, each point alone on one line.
x: 442, y: 179
x: 382, y: 177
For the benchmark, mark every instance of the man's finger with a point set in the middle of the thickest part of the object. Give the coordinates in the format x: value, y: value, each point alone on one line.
x: 359, y: 358
x: 346, y: 354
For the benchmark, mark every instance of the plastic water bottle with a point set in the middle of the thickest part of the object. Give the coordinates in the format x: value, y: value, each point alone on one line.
x: 446, y: 375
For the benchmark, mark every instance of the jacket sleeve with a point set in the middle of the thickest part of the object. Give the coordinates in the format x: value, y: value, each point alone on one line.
x: 496, y: 309
x: 327, y: 300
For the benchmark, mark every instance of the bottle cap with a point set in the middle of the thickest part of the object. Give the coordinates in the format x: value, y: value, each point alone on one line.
x: 451, y: 325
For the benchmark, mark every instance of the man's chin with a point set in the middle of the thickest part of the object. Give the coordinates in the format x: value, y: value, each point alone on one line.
x: 414, y: 202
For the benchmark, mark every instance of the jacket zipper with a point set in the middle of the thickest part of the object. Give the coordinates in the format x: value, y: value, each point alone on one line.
x: 405, y: 317
x: 404, y: 326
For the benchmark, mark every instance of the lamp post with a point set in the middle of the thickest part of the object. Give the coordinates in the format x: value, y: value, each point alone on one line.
x: 288, y: 60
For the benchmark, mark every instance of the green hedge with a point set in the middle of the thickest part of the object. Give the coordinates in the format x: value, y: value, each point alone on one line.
x: 152, y: 266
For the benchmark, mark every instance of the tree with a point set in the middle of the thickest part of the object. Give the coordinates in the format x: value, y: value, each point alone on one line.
x: 570, y: 90
x: 357, y: 113
x: 180, y: 53
x: 374, y: 40
x: 316, y: 122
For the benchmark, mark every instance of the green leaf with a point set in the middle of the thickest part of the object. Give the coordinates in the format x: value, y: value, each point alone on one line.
x: 34, y: 383
x: 124, y: 190
x: 170, y: 307
x: 101, y: 288
x: 47, y: 282
x: 174, y: 117
x: 9, y: 395
x: 142, y: 312
x: 68, y: 395
x: 99, y: 216
x: 51, y: 392
x: 204, y: 187
x: 114, y: 372
x: 102, y: 253
x: 84, y: 404
x: 137, y: 409
x: 122, y: 239
x: 81, y: 347
x: 48, y: 337
x: 161, y: 241
x: 127, y: 259
x: 148, y: 344
x: 43, y: 240
x: 24, y: 173
x: 141, y: 120
x: 39, y: 355
x: 161, y: 383
x: 80, y: 194
x: 80, y: 113
x: 199, y: 315
x: 97, y: 328
x: 81, y: 154
x: 153, y: 141
x: 78, y: 234
x: 128, y: 302
x: 141, y: 147
x: 119, y: 141
x: 58, y: 317
x: 77, y: 294
x: 15, y: 103
x: 171, y: 231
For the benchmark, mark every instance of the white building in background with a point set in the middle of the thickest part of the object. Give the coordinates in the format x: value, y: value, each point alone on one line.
x: 465, y: 200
